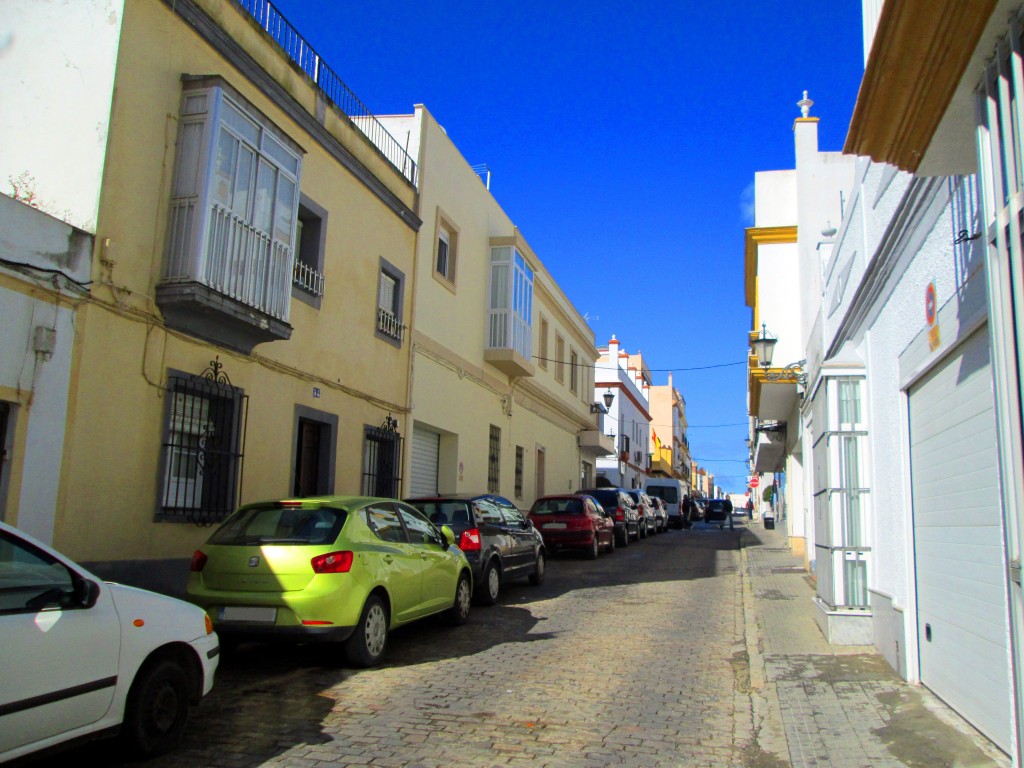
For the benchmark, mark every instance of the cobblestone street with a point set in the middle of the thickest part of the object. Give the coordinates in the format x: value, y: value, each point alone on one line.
x: 681, y: 650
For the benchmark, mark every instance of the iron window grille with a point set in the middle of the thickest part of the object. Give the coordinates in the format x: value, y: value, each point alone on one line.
x: 494, y: 461
x: 382, y: 460
x: 519, y: 472
x: 204, y: 447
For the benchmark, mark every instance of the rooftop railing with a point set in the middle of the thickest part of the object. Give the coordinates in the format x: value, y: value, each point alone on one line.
x: 332, y: 86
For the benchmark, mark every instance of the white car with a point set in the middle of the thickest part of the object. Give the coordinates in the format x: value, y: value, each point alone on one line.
x: 83, y: 658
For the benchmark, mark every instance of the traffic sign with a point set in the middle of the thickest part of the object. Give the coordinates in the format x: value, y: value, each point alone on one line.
x: 754, y: 482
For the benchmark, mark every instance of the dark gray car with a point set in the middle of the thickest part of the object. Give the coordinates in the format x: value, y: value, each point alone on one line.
x: 500, y: 543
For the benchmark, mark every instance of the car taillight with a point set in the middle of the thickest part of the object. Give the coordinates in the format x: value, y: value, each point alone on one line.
x: 469, y: 541
x: 332, y: 562
x: 620, y: 513
x: 198, y: 561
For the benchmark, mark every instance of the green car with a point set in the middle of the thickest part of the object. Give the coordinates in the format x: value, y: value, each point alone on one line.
x: 335, y: 568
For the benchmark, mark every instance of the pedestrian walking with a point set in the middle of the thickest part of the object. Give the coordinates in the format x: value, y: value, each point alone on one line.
x: 750, y: 509
x: 687, y: 510
x: 728, y: 510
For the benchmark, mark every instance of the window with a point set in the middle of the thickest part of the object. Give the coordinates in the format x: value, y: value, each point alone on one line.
x: 389, y: 304
x: 382, y: 460
x: 234, y: 206
x: 420, y: 531
x: 543, y: 344
x: 310, y: 238
x: 494, y: 461
x: 383, y: 521
x: 30, y: 576
x: 559, y: 359
x: 511, y: 302
x: 205, y: 432
x: 446, y: 250
x: 573, y: 371
x: 519, y: 472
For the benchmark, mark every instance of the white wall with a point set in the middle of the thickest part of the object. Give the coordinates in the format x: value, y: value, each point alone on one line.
x: 57, y: 60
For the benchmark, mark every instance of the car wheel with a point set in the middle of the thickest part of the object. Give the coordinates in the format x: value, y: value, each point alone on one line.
x: 157, y: 709
x: 623, y: 537
x: 611, y: 543
x: 537, y: 577
x: 643, y: 531
x: 365, y: 647
x: 490, y: 584
x: 595, y: 548
x: 459, y: 612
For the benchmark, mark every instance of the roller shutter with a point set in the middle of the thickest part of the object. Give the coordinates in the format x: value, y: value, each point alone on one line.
x: 425, y: 445
x: 958, y: 540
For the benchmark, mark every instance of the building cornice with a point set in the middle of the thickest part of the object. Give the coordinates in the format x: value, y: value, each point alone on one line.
x: 920, y: 51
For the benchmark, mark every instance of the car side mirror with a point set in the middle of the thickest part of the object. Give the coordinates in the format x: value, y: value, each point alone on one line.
x: 449, y: 536
x: 87, y: 593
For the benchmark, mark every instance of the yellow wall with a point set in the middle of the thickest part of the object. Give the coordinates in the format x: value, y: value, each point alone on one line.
x: 457, y: 393
x: 124, y: 352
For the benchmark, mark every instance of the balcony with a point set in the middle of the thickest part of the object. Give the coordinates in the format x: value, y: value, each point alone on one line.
x: 235, y: 291
x: 661, y: 462
x: 594, y: 444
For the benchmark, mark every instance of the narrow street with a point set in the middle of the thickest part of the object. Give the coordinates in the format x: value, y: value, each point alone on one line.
x: 681, y: 650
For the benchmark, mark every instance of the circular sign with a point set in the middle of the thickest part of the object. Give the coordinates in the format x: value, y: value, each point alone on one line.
x: 929, y: 303
x: 754, y: 482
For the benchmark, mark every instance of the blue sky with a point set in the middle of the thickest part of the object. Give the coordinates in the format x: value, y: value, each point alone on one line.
x: 623, y: 141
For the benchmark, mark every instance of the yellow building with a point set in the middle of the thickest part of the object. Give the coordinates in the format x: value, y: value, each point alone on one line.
x: 502, y: 362
x: 244, y: 334
x: 670, y: 449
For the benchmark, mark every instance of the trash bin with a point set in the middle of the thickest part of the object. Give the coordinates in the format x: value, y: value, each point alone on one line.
x: 769, y: 520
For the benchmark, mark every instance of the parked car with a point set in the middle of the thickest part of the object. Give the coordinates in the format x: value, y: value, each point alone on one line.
x: 334, y: 568
x: 499, y: 541
x: 620, y: 507
x: 84, y: 658
x: 660, y: 513
x: 670, y: 491
x: 718, y: 511
x: 574, y: 521
x: 700, y: 508
x: 645, y: 509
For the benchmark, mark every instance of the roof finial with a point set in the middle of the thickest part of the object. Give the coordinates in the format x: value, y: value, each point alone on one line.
x: 805, y: 105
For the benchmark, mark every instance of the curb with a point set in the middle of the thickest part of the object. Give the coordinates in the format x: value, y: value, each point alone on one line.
x: 769, y: 730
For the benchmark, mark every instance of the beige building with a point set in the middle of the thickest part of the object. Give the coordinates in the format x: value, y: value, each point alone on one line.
x: 502, y: 370
x: 241, y: 331
x: 670, y: 449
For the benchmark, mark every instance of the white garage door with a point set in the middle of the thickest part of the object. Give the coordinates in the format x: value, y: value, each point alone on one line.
x: 958, y: 540
x: 425, y: 444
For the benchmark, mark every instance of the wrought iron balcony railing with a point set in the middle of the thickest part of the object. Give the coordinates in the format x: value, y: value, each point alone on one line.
x: 332, y: 86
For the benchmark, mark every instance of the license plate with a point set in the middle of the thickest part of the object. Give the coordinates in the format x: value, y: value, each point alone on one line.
x: 554, y: 526
x: 243, y: 613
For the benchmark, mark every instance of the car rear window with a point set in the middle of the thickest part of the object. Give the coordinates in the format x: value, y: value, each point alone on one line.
x: 606, y: 498
x: 274, y: 524
x: 445, y: 512
x: 557, y: 507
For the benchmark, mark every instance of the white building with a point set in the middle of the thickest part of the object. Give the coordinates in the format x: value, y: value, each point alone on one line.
x: 952, y: 114
x: 628, y: 419
x: 897, y: 423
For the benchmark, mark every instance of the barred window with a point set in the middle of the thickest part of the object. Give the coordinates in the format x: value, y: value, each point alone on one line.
x: 203, y: 448
x: 494, y: 461
x: 519, y: 472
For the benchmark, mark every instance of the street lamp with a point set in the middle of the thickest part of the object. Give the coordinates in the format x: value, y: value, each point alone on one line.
x: 764, y: 346
x: 609, y: 396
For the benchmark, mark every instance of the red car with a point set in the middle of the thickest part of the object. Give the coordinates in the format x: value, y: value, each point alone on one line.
x: 573, y: 521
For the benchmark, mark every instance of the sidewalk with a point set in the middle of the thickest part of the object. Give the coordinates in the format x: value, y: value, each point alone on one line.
x: 820, y: 705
